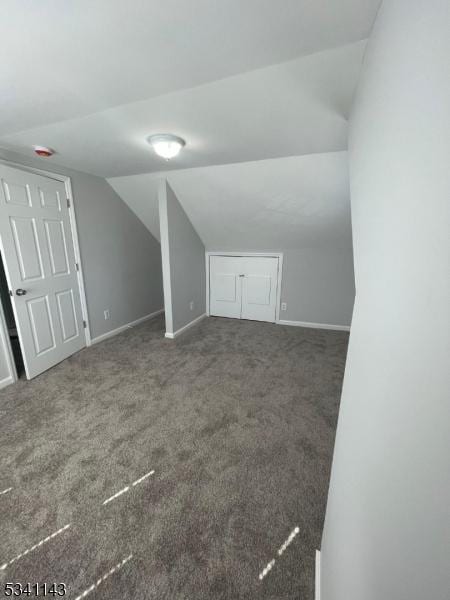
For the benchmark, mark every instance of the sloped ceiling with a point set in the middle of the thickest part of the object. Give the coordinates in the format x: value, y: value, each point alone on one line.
x: 267, y: 164
x: 260, y: 90
x: 276, y: 204
x: 69, y: 59
x: 297, y: 107
x: 239, y: 80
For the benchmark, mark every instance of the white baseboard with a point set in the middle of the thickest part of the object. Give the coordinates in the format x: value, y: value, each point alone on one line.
x: 175, y: 334
x: 7, y: 381
x: 314, y: 325
x: 113, y: 332
x: 317, y: 578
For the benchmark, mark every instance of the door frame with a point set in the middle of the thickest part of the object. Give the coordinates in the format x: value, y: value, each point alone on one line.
x: 76, y: 248
x: 278, y: 255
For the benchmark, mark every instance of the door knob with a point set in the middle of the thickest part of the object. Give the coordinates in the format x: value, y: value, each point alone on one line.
x: 241, y: 275
x: 20, y: 292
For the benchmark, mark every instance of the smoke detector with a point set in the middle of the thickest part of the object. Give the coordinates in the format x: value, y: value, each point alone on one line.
x: 43, y: 151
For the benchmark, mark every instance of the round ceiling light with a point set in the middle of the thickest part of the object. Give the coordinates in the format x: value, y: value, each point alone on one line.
x: 166, y: 144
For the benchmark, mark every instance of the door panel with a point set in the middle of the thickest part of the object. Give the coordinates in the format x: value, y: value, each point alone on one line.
x: 26, y: 247
x: 225, y: 287
x: 39, y: 259
x: 67, y: 315
x: 50, y: 198
x: 57, y: 248
x: 259, y: 288
x: 41, y: 324
x: 17, y: 194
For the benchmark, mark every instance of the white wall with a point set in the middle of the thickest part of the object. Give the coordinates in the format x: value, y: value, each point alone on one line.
x: 121, y: 259
x: 387, y: 528
x: 183, y: 263
x: 318, y: 286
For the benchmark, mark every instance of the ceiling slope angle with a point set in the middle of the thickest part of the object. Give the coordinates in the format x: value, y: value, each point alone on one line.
x: 294, y: 108
x: 275, y: 204
x: 120, y: 52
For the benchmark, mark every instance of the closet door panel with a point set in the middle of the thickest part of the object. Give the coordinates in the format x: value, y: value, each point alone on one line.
x: 225, y: 286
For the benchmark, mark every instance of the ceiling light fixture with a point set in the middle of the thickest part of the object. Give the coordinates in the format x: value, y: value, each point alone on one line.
x: 166, y: 144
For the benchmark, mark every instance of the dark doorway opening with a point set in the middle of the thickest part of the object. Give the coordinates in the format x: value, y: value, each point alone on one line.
x: 10, y: 320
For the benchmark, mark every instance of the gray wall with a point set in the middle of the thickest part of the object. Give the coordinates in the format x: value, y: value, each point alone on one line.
x: 121, y: 259
x: 183, y: 259
x: 318, y: 286
x: 387, y: 528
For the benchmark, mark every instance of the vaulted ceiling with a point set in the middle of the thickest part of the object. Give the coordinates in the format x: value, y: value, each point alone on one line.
x: 276, y: 204
x: 297, y: 107
x: 242, y: 81
x: 68, y: 59
x: 93, y: 79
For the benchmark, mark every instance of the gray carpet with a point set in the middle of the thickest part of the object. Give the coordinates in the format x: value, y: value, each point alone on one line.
x: 236, y: 418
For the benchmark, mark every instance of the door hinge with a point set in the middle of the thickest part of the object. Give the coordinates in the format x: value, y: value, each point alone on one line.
x: 77, y: 266
x: 68, y: 202
x: 84, y: 324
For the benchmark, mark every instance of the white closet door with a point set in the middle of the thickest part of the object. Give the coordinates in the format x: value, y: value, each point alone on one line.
x: 259, y: 288
x: 225, y: 286
x: 40, y: 266
x: 243, y: 287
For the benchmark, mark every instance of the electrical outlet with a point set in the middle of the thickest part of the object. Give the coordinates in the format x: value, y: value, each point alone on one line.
x: 283, y: 306
x: 191, y: 305
x: 106, y: 313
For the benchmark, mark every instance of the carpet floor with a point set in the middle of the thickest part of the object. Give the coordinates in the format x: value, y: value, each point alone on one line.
x: 236, y: 419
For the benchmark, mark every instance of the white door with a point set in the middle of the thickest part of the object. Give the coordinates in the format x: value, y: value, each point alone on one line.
x: 39, y: 259
x: 259, y: 288
x: 243, y: 287
x: 225, y: 286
